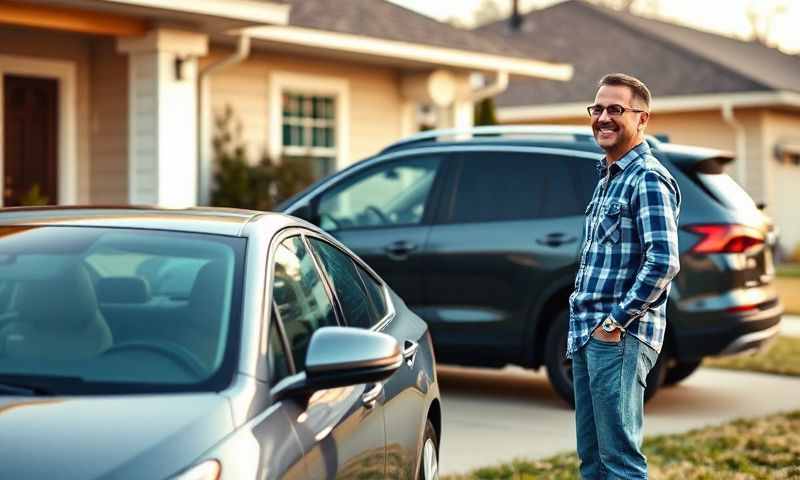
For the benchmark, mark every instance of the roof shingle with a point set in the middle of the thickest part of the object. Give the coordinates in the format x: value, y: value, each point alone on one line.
x: 385, y: 20
x: 670, y: 59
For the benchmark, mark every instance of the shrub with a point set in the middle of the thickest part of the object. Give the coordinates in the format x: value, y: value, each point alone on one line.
x: 240, y: 184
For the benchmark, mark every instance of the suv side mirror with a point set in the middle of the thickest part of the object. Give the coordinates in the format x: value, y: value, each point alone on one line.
x: 306, y: 213
x: 343, y: 356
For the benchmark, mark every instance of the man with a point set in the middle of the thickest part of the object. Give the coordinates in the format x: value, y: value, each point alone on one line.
x: 618, y: 308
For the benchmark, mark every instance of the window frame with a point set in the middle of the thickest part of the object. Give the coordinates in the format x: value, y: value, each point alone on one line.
x: 431, y: 203
x: 281, y: 82
x: 270, y: 314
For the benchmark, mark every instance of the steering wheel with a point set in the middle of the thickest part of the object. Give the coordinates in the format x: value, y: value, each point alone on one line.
x: 382, y: 216
x: 177, y: 353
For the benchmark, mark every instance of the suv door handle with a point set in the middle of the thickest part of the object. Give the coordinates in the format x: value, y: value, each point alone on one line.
x: 556, y: 239
x: 370, y: 397
x: 399, y: 250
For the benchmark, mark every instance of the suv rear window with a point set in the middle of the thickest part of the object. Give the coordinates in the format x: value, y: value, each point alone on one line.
x: 726, y: 191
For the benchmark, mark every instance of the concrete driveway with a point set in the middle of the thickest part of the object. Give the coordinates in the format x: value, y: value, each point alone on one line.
x: 493, y: 416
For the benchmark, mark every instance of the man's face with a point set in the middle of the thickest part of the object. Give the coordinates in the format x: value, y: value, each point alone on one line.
x: 617, y: 133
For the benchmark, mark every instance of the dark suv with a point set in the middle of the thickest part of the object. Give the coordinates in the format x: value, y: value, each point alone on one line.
x: 481, y: 237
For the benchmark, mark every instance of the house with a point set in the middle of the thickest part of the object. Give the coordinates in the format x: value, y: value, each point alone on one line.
x: 708, y: 90
x: 112, y: 101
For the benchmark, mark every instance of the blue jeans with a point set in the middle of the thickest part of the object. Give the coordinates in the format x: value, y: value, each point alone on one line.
x: 609, y: 380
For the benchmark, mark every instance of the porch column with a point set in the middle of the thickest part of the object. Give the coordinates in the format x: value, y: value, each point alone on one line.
x: 162, y: 122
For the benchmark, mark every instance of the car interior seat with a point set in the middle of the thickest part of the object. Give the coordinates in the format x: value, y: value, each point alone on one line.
x: 58, y: 318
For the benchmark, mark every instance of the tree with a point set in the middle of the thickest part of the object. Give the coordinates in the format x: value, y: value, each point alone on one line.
x: 761, y: 16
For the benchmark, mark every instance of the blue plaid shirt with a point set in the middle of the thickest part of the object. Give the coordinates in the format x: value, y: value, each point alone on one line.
x: 630, y: 250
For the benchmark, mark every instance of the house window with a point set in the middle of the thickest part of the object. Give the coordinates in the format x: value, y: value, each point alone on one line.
x: 309, y: 130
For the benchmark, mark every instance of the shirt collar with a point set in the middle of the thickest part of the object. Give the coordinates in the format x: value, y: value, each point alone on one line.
x: 633, y: 154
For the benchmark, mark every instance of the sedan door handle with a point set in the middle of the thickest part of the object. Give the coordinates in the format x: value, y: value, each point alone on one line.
x: 399, y: 250
x: 410, y: 352
x: 370, y: 397
x: 556, y: 239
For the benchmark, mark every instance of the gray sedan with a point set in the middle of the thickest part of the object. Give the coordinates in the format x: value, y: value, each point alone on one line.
x: 204, y: 344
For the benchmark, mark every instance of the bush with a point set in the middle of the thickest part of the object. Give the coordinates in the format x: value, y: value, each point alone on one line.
x: 239, y: 184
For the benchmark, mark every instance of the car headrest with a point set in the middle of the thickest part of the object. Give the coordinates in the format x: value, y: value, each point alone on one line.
x: 64, y: 302
x: 122, y: 290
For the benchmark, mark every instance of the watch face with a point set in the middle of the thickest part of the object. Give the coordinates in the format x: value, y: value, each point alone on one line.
x: 608, y: 326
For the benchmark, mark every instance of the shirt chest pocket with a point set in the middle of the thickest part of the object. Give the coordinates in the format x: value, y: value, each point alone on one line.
x: 615, y: 220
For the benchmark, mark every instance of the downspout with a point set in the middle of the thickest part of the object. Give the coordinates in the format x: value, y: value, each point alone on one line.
x: 205, y: 160
x: 468, y: 101
x: 741, y: 142
x: 499, y: 86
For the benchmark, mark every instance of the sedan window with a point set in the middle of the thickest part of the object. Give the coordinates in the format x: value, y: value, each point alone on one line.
x: 390, y: 194
x: 350, y: 289
x: 300, y: 296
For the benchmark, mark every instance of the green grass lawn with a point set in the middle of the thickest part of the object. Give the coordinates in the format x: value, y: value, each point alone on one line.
x: 782, y: 357
x: 764, y: 448
x: 788, y: 270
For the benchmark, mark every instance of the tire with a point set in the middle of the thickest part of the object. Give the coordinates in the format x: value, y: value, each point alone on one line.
x: 429, y: 455
x: 679, y: 372
x: 559, y: 369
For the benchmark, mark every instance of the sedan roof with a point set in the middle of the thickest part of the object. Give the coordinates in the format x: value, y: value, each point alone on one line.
x: 220, y: 221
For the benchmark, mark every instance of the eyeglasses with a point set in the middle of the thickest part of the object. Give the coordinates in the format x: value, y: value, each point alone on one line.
x: 614, y: 110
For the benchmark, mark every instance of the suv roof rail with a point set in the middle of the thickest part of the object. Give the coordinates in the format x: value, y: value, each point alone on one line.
x: 575, y: 132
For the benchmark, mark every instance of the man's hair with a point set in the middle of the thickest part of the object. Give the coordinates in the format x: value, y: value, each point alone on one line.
x: 638, y: 88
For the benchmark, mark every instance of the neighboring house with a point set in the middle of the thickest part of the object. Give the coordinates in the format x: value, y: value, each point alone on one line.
x: 708, y: 90
x: 112, y: 101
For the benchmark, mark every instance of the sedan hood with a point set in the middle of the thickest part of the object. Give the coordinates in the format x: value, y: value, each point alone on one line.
x: 132, y: 436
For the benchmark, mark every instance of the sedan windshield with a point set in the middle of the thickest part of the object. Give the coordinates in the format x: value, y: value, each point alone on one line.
x: 111, y: 310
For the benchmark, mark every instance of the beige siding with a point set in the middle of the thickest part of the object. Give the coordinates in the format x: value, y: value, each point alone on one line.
x: 374, y: 93
x: 109, y: 136
x: 45, y: 44
x: 783, y: 127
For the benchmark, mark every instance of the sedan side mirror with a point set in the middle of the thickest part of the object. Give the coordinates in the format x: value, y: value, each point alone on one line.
x: 343, y: 356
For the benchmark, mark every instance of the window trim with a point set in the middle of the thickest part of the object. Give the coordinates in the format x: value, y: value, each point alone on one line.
x: 268, y: 299
x: 337, y: 87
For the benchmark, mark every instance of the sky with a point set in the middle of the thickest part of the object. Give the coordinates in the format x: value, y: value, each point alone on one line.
x: 720, y: 16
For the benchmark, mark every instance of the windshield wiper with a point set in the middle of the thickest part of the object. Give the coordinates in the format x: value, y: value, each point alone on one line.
x: 37, y: 385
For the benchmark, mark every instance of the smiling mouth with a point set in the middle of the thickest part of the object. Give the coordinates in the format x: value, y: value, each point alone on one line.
x: 607, y: 130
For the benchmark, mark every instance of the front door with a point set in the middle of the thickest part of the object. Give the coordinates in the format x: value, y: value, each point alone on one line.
x: 30, y: 141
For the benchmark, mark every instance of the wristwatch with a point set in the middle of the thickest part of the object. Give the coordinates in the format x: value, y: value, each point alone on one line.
x: 609, y: 325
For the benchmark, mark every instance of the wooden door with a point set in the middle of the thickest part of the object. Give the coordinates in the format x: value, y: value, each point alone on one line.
x: 30, y: 136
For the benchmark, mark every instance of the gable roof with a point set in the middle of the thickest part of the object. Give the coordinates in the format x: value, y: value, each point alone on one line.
x: 672, y: 60
x: 385, y: 20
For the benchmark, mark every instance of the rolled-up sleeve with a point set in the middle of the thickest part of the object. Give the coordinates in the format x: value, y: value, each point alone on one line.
x: 656, y: 206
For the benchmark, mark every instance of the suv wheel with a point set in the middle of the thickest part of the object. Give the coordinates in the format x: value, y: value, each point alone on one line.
x: 680, y: 371
x: 559, y: 368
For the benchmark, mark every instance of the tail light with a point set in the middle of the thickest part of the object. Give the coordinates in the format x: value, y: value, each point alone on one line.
x: 725, y: 238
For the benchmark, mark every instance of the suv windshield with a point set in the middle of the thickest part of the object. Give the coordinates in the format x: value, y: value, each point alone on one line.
x: 111, y: 310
